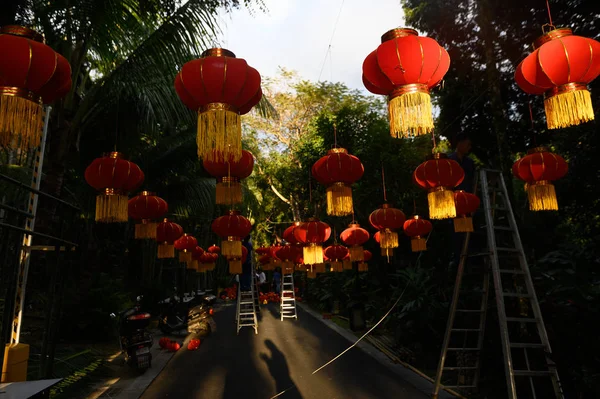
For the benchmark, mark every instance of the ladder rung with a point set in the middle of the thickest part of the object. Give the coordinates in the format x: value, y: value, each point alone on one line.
x: 461, y: 368
x: 469, y: 310
x: 516, y: 295
x: 466, y: 329
x: 460, y: 386
x: 504, y: 228
x: 463, y: 349
x: 505, y: 249
x: 511, y: 271
x: 522, y: 319
x: 478, y: 254
x: 526, y: 345
x: 532, y: 373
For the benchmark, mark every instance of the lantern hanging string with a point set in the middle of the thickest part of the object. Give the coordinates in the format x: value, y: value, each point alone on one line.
x: 414, y: 206
x: 383, y: 183
x: 334, y: 135
x: 549, y: 14
x: 532, y: 125
x: 434, y: 143
x: 331, y: 40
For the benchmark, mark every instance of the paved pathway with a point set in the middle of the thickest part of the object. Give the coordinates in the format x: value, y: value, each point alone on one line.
x: 282, y: 355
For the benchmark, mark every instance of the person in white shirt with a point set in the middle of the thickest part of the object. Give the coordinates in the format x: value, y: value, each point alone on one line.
x: 262, y: 279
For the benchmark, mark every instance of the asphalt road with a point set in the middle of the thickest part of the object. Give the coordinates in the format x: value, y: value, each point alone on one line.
x: 282, y: 356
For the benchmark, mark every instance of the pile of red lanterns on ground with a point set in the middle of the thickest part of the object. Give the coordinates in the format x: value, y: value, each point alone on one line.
x: 174, y: 346
x: 265, y: 298
x: 229, y: 293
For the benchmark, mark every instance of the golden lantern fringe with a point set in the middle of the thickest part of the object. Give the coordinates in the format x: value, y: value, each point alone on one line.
x: 387, y: 252
x: 235, y: 266
x: 313, y: 254
x: 194, y: 265
x: 231, y: 249
x: 542, y: 197
x: 418, y: 244
x: 320, y: 267
x: 339, y: 200
x: 287, y: 267
x: 357, y: 253
x: 300, y: 267
x: 219, y: 130
x: 209, y: 266
x: 463, y: 224
x: 441, y: 204
x: 363, y: 267
x: 145, y: 230
x: 336, y: 266
x: 388, y: 239
x: 21, y: 122
x: 311, y: 273
x: 185, y: 257
x: 166, y: 251
x: 111, y: 208
x: 568, y: 109
x: 190, y: 266
x: 347, y: 264
x: 228, y: 193
x: 410, y: 115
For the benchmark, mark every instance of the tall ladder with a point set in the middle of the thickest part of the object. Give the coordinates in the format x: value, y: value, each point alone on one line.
x: 256, y: 292
x: 246, y: 307
x: 287, y: 307
x: 529, y: 369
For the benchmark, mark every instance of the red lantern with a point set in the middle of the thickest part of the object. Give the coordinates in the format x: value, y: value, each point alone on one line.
x: 363, y: 266
x: 384, y: 251
x: 354, y: 237
x: 220, y: 88
x: 466, y: 204
x: 538, y: 169
x: 439, y: 175
x: 416, y: 228
x: 232, y: 228
x: 288, y: 234
x: 335, y: 254
x: 31, y: 74
x: 146, y: 207
x: 387, y: 220
x: 560, y: 67
x: 235, y: 262
x: 312, y: 234
x: 337, y: 171
x: 196, y: 256
x: 228, y: 174
x: 405, y: 67
x: 185, y: 245
x: 114, y: 177
x: 214, y: 249
x: 208, y: 260
x: 166, y: 235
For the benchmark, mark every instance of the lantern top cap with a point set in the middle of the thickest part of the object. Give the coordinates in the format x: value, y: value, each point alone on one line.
x: 551, y: 35
x: 217, y: 52
x: 387, y: 205
x: 337, y: 150
x: 146, y: 193
x: 114, y: 155
x: 353, y: 225
x: 415, y: 217
x: 232, y: 212
x: 538, y: 149
x: 437, y: 155
x: 313, y: 219
x: 17, y: 30
x: 398, y: 32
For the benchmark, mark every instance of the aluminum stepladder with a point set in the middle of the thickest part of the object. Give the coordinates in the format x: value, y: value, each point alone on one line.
x: 287, y: 307
x: 529, y: 369
x: 246, y: 307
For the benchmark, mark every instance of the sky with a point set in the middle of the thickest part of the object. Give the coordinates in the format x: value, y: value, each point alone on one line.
x: 295, y: 34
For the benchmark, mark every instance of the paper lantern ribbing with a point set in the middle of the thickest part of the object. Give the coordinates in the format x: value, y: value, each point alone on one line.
x: 335, y: 254
x: 439, y: 175
x: 166, y: 235
x: 337, y: 171
x: 228, y: 174
x: 146, y: 207
x: 387, y: 220
x: 560, y: 67
x: 114, y: 177
x: 466, y: 204
x: 538, y: 169
x: 384, y: 251
x: 312, y: 234
x: 405, y: 67
x: 185, y: 245
x: 232, y: 228
x: 416, y: 228
x: 31, y: 74
x: 220, y: 88
x: 354, y: 237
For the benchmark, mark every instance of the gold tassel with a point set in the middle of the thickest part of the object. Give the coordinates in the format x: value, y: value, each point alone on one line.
x: 111, y: 208
x: 185, y: 256
x: 387, y: 252
x: 145, y: 230
x: 235, y: 266
x: 21, y: 120
x: 231, y: 249
x: 339, y: 200
x: 190, y: 265
x: 228, y: 192
x: 410, y: 115
x: 441, y: 203
x: 320, y: 267
x: 542, y: 196
x: 210, y: 266
x: 300, y: 267
x: 166, y: 251
x: 313, y: 254
x: 569, y: 108
x: 418, y: 244
x: 220, y: 129
x: 357, y: 253
x: 311, y: 273
x: 388, y: 239
x: 363, y: 267
x: 463, y: 224
x: 336, y: 266
x: 347, y: 264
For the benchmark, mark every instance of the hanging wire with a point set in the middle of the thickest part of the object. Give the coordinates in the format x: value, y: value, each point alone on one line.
x: 434, y: 143
x: 532, y: 125
x: 414, y: 206
x: 549, y: 13
x: 331, y: 40
x: 334, y: 135
x: 117, y: 121
x: 383, y: 181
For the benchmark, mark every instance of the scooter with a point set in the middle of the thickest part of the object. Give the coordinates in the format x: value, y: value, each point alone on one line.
x: 134, y: 340
x: 190, y: 316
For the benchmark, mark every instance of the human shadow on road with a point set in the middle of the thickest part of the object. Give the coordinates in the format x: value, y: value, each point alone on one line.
x: 279, y: 369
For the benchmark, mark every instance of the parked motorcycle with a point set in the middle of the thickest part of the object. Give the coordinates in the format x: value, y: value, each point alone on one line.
x: 192, y: 315
x: 134, y: 340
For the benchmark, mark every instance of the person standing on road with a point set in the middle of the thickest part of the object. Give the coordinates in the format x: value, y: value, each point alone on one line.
x: 262, y: 279
x: 277, y: 281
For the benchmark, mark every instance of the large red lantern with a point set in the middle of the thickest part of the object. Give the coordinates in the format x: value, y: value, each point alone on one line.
x: 208, y: 261
x: 31, y: 74
x: 114, y: 177
x: 228, y: 174
x: 312, y: 234
x: 388, y: 252
x: 185, y: 245
x: 232, y: 228
x: 220, y: 88
x: 405, y: 67
x: 214, y: 249
x: 335, y: 254
x: 337, y: 171
x: 439, y: 175
x: 466, y: 204
x: 146, y: 207
x: 289, y: 236
x: 538, y: 169
x: 387, y: 220
x: 560, y: 67
x: 235, y: 262
x: 354, y: 237
x: 416, y: 228
x: 166, y: 235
